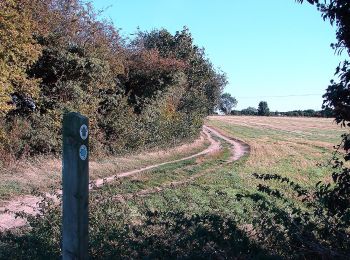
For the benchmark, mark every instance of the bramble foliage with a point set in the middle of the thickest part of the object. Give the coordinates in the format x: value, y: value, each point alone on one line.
x: 116, y: 232
x: 318, y: 227
x: 336, y: 197
x: 293, y: 230
x: 64, y: 58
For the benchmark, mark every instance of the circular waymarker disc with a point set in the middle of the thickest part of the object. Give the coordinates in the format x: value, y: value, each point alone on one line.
x: 84, y: 132
x: 83, y: 152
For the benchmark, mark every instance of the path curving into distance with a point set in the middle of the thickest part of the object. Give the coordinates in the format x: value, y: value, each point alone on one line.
x: 238, y: 147
x: 238, y: 150
x: 30, y: 204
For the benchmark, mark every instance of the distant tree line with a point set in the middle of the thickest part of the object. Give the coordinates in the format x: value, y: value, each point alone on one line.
x: 263, y: 110
x: 59, y: 55
x: 227, y: 102
x: 251, y: 111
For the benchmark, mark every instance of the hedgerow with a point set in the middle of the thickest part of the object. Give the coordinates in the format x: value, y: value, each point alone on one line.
x: 151, y: 91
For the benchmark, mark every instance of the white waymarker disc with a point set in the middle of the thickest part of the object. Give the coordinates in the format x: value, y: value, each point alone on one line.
x: 84, y: 132
x: 83, y: 152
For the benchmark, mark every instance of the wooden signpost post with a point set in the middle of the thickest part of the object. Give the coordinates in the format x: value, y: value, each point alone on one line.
x: 75, y: 186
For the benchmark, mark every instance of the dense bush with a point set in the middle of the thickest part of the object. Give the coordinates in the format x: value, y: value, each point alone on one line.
x: 305, y: 228
x: 152, y: 91
x: 18, y: 50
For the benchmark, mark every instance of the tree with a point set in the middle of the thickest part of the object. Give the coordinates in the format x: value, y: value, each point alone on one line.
x: 249, y: 111
x: 227, y: 103
x: 263, y: 109
x: 204, y: 82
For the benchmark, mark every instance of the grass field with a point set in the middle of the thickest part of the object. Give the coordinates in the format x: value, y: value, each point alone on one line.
x: 45, y: 173
x: 190, y: 208
x: 288, y: 146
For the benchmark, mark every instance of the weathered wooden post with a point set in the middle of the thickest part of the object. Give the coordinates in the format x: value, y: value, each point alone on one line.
x: 75, y: 186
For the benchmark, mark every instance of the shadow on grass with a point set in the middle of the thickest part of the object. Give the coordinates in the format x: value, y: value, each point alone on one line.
x: 159, y: 236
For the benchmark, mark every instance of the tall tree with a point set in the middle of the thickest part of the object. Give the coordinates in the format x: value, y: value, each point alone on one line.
x: 263, y: 109
x: 204, y: 82
x: 227, y: 103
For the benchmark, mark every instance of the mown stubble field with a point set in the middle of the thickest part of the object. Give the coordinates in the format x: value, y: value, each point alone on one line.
x: 284, y: 145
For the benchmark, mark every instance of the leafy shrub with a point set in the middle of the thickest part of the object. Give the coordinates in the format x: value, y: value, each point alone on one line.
x: 144, y: 94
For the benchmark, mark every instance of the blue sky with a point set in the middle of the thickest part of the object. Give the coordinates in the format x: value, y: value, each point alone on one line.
x: 271, y: 50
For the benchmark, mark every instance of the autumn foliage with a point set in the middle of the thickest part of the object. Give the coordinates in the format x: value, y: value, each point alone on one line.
x: 58, y: 56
